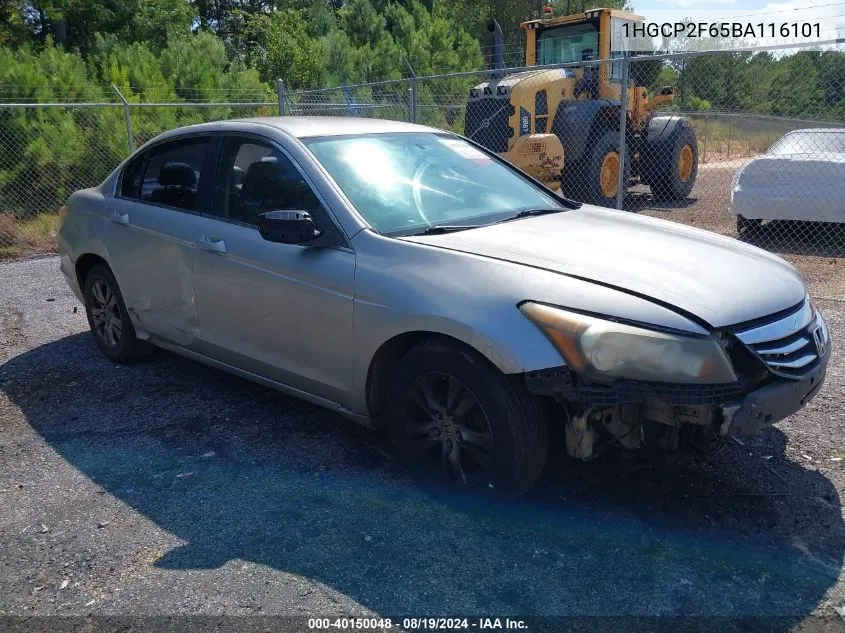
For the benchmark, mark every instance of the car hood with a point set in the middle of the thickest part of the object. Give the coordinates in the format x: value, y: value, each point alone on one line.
x: 802, y: 171
x: 717, y: 279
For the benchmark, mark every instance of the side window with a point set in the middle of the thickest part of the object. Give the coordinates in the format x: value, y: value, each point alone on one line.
x: 173, y: 172
x: 253, y: 177
x: 130, y: 180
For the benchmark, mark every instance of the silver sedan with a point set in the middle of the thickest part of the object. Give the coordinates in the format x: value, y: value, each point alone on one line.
x: 411, y: 280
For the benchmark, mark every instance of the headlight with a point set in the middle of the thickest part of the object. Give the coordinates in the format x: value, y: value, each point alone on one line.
x: 617, y: 350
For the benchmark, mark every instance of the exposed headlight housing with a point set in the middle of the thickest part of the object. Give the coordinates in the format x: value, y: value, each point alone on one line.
x: 617, y: 350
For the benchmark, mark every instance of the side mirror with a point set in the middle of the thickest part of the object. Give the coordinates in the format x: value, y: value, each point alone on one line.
x: 287, y: 227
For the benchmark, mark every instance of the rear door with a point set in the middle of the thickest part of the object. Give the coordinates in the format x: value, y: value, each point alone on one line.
x: 151, y: 226
x: 281, y: 311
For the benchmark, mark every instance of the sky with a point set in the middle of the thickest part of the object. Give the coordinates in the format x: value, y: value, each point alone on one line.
x: 829, y: 14
x: 755, y: 6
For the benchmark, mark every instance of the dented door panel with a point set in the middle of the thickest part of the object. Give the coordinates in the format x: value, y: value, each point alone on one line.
x: 151, y: 258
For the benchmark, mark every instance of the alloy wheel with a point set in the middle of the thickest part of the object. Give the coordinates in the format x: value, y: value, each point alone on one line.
x: 447, y: 430
x: 105, y: 314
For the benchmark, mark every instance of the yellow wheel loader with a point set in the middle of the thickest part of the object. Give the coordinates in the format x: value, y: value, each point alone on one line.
x: 562, y: 125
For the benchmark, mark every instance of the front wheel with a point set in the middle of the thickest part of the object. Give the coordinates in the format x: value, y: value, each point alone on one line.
x: 595, y: 179
x: 460, y: 424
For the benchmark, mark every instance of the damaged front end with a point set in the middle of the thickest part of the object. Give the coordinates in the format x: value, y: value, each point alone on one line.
x: 779, y: 365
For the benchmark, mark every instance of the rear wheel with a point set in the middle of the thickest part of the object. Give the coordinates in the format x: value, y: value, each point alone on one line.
x: 671, y: 161
x: 108, y: 317
x: 460, y: 424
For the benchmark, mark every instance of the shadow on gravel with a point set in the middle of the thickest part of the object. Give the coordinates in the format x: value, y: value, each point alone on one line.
x: 823, y: 239
x: 240, y: 472
x: 637, y: 201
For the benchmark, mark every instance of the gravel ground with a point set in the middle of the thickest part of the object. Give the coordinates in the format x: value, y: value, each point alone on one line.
x: 816, y: 249
x: 170, y: 488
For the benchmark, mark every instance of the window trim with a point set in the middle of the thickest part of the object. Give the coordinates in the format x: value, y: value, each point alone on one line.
x: 141, y: 157
x: 145, y: 153
x: 253, y: 137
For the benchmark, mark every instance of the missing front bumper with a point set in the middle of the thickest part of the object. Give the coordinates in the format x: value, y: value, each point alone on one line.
x: 624, y: 410
x: 771, y: 403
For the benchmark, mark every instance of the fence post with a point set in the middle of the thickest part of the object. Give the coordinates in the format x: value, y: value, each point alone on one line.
x: 623, y: 125
x: 128, y: 117
x: 282, y: 96
x: 730, y: 133
x: 412, y: 93
x: 413, y: 96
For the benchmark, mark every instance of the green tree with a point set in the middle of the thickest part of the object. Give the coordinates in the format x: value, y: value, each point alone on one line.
x: 795, y: 89
x: 280, y: 48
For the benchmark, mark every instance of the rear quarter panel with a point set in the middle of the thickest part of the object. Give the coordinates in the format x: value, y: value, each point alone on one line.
x: 83, y: 231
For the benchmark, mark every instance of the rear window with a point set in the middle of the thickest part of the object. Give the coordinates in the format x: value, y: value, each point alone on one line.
x: 810, y: 142
x: 167, y: 174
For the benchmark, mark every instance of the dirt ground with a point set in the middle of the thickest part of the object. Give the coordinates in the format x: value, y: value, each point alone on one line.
x: 168, y: 488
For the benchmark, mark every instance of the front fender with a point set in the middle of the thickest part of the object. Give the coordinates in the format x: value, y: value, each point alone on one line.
x: 404, y: 286
x: 399, y: 290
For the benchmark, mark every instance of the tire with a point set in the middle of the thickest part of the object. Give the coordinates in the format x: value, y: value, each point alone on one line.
x: 461, y: 425
x: 670, y: 160
x: 744, y: 224
x: 108, y: 318
x: 589, y: 180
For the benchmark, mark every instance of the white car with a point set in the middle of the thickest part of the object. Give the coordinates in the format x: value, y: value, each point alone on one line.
x: 800, y: 177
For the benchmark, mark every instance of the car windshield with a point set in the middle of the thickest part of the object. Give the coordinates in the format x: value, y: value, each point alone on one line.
x: 410, y: 182
x: 810, y: 142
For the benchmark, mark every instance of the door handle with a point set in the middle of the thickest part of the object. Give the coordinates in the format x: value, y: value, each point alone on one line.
x: 120, y: 218
x: 212, y: 245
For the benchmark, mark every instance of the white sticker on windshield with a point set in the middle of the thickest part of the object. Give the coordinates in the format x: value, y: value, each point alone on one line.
x: 466, y: 150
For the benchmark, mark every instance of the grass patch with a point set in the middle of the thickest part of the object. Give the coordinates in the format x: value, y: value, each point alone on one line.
x: 34, y: 235
x: 722, y: 141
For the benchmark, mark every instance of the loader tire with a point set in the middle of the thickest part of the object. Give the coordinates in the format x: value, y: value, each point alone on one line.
x: 670, y: 160
x: 595, y: 178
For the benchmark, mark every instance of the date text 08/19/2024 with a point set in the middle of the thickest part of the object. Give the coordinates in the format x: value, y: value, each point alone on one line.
x: 418, y: 624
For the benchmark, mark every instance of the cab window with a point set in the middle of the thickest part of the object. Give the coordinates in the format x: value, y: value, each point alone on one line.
x: 566, y: 44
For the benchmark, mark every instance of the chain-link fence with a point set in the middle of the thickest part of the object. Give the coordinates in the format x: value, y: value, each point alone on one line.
x: 748, y: 144
x: 50, y: 150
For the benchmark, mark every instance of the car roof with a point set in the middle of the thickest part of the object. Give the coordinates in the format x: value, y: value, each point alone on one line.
x: 306, y: 126
x: 817, y: 130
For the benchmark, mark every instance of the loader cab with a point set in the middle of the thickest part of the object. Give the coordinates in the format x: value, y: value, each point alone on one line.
x: 593, y: 34
x: 561, y: 125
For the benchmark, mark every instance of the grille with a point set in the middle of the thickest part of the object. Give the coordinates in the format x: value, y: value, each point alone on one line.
x: 790, y: 346
x: 487, y: 122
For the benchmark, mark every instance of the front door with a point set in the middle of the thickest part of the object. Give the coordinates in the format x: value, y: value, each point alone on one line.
x: 278, y: 310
